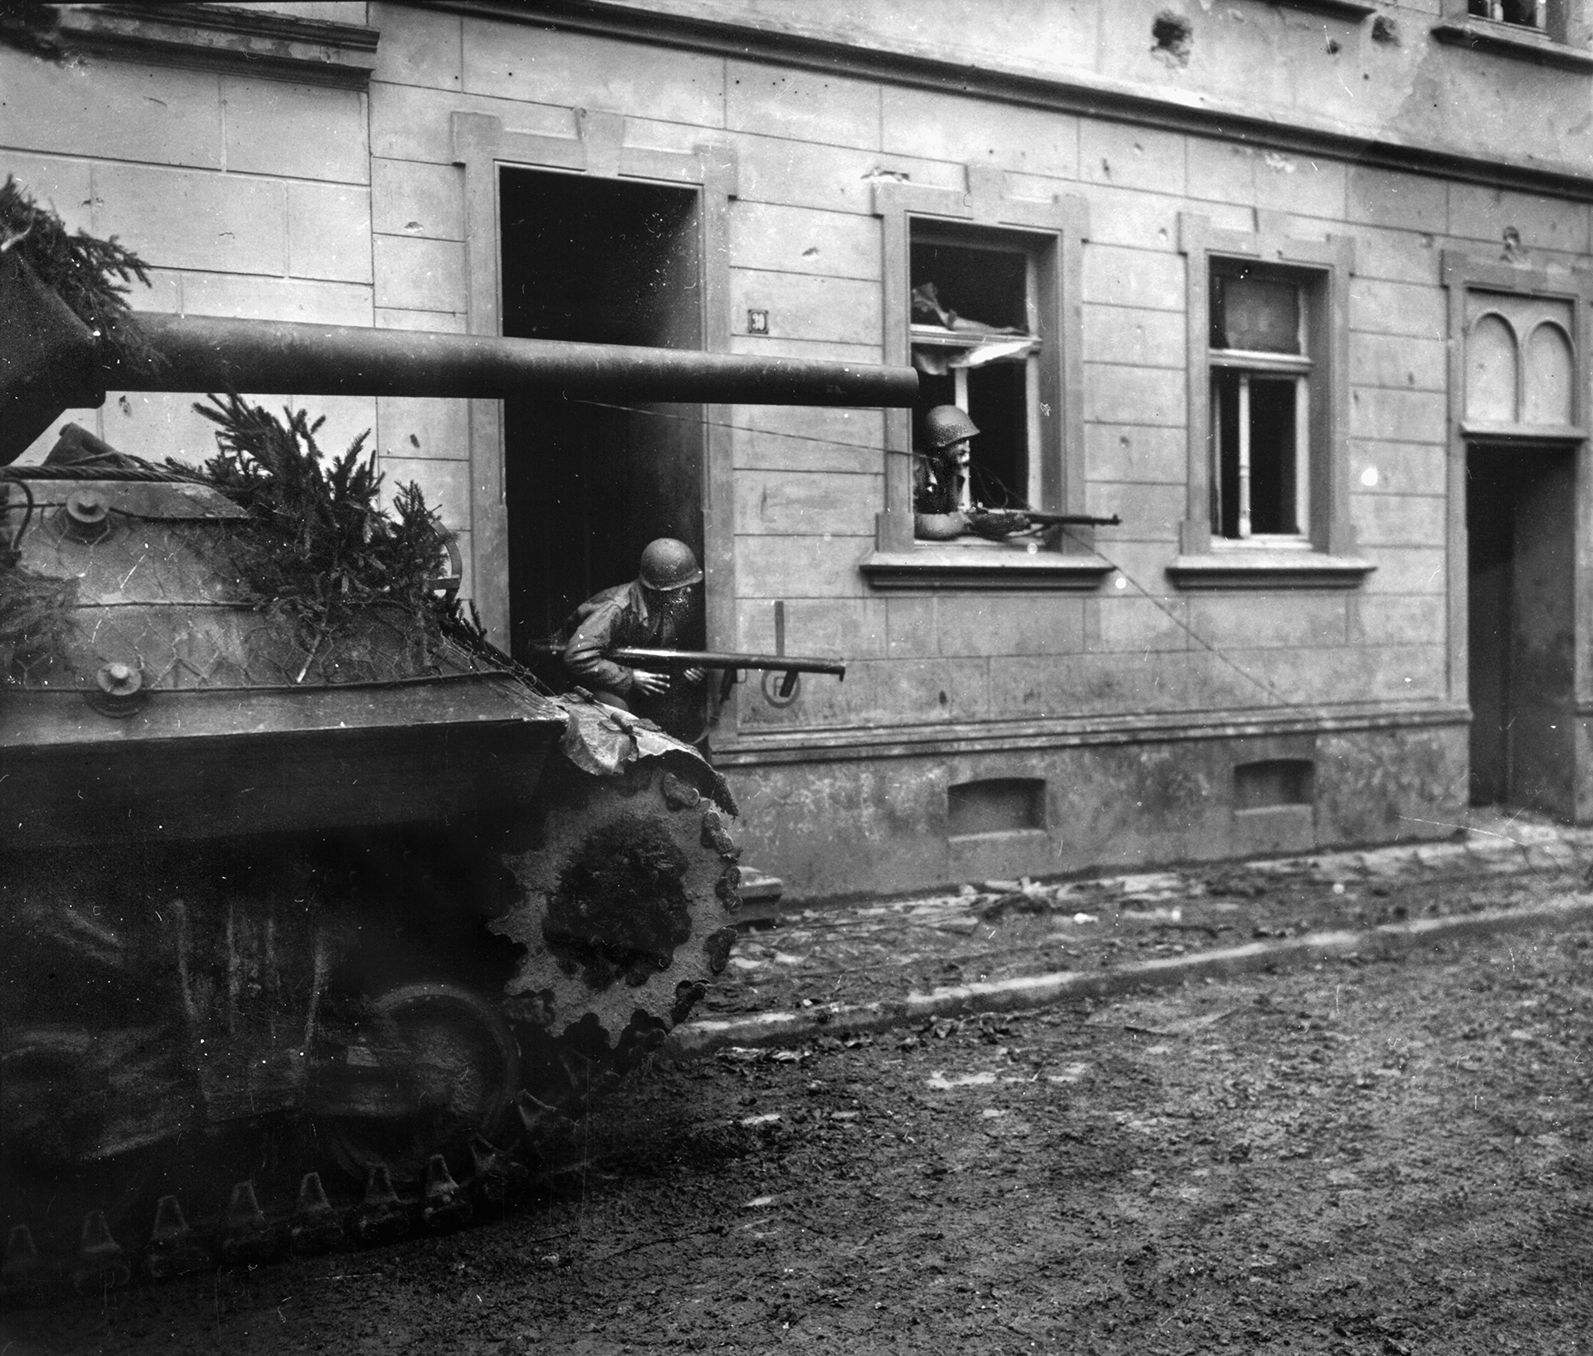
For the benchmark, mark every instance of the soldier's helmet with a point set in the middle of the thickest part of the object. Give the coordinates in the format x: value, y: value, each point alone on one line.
x: 668, y: 565
x: 947, y: 424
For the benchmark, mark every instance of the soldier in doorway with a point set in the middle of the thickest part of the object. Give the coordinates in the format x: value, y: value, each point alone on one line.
x: 651, y: 611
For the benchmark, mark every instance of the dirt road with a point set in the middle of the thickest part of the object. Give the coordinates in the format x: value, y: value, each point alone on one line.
x: 1389, y: 1157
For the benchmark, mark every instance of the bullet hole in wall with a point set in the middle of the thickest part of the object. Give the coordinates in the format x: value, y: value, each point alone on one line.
x: 1386, y: 30
x: 1172, y: 37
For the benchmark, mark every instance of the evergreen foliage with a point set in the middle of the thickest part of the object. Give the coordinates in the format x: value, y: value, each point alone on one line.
x: 322, y: 546
x: 81, y: 270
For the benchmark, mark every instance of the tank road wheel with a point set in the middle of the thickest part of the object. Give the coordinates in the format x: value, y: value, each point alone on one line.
x: 625, y: 914
x: 462, y: 1068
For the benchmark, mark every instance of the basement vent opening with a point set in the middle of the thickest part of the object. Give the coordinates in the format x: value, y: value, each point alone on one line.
x: 995, y: 805
x: 1277, y: 781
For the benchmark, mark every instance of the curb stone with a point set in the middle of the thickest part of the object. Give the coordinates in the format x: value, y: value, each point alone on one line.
x: 1032, y: 991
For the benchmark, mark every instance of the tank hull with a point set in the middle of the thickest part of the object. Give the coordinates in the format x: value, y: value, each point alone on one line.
x: 307, y: 935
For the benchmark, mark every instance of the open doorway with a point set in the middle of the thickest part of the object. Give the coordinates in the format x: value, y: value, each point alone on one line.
x: 1520, y: 519
x: 588, y: 483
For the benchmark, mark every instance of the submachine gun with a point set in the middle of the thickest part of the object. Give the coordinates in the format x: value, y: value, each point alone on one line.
x: 732, y: 665
x: 1013, y: 522
x: 790, y: 667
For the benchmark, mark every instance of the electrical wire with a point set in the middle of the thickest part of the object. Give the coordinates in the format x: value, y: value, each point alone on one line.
x: 1214, y: 650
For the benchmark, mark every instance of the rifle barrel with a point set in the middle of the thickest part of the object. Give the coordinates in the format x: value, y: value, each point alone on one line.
x: 719, y: 659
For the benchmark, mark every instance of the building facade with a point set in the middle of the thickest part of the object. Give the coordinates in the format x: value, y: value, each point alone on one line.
x: 1296, y: 291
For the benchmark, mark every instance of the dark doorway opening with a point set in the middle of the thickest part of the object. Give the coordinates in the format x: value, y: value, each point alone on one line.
x: 591, y: 482
x: 1520, y: 518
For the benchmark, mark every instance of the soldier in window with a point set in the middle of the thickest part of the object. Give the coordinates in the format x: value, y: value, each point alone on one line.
x: 942, y: 470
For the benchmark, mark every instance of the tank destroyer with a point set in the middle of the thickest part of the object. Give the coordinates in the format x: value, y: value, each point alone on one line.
x: 317, y: 919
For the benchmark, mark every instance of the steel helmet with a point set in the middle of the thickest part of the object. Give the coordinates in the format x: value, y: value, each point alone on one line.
x: 947, y: 424
x: 668, y: 565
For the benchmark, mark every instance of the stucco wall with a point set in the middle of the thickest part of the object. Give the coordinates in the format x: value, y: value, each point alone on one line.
x: 272, y: 198
x: 880, y: 827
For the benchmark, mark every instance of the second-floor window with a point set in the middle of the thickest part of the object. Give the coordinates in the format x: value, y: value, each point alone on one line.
x: 1261, y: 417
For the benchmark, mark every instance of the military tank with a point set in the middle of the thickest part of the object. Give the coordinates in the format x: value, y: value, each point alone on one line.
x: 316, y: 923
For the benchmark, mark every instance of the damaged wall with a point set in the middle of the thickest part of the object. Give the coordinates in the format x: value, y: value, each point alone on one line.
x: 1147, y: 699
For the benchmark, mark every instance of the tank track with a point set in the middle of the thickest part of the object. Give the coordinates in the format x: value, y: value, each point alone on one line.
x: 297, y: 1211
x: 243, y: 1232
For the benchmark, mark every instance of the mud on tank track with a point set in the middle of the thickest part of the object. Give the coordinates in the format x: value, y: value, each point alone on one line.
x: 626, y: 889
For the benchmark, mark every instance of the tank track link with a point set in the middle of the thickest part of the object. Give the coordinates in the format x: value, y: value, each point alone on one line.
x: 243, y: 1233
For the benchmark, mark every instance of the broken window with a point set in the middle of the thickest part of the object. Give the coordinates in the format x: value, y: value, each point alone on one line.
x: 1260, y: 403
x: 974, y: 337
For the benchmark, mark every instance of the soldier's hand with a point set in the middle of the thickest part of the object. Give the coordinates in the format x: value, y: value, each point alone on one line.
x: 693, y: 676
x: 653, y: 684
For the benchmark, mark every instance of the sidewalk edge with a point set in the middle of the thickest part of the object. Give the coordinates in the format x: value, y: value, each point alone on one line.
x: 1033, y: 991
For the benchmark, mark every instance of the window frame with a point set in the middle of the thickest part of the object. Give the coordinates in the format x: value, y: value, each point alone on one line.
x: 1560, y: 40
x: 1036, y: 276
x: 1323, y: 553
x: 1551, y: 16
x: 1249, y: 364
x: 1051, y: 229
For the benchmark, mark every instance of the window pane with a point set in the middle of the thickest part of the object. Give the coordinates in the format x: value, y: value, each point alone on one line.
x: 1273, y: 456
x: 1507, y: 11
x: 1257, y: 470
x: 1258, y: 314
x: 966, y: 288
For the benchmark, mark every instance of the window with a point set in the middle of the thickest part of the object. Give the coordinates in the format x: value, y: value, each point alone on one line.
x: 1546, y: 32
x: 1524, y: 13
x: 1268, y: 492
x: 975, y: 341
x: 1505, y: 11
x: 981, y: 293
x: 1260, y: 426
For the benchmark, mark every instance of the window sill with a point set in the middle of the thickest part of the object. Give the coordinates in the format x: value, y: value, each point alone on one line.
x: 1511, y: 40
x: 982, y: 566
x: 1264, y: 569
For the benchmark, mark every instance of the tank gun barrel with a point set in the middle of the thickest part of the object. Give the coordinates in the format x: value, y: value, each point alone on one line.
x: 50, y: 363
x: 283, y: 357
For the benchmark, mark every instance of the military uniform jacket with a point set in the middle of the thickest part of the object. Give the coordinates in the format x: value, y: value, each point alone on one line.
x: 616, y: 618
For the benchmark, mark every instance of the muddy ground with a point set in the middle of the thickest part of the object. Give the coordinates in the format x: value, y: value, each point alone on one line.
x: 1378, y: 1157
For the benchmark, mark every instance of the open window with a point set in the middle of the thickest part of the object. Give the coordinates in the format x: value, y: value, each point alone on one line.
x: 976, y: 343
x: 982, y: 295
